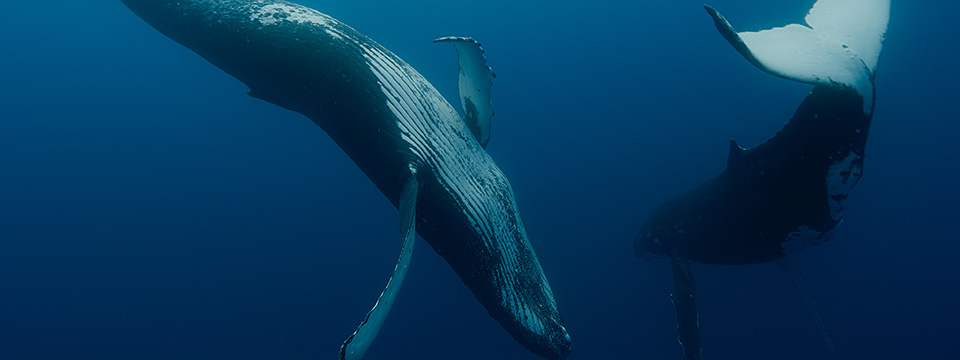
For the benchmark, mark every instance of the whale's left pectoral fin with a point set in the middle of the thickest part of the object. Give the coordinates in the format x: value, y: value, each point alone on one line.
x: 838, y: 46
x: 476, y: 79
x: 789, y: 266
x: 685, y: 300
x: 357, y: 344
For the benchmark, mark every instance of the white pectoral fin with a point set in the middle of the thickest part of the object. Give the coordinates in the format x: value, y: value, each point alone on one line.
x: 839, y: 46
x: 476, y: 79
x: 789, y: 266
x: 357, y: 344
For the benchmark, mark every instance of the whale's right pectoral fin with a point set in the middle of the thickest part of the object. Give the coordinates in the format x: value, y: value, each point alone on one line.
x: 357, y: 344
x: 685, y: 300
x: 476, y: 79
x: 839, y: 46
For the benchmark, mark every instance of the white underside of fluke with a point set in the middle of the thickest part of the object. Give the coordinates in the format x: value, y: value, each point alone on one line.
x: 838, y: 46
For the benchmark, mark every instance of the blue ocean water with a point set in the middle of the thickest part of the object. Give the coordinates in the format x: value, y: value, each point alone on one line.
x: 149, y: 209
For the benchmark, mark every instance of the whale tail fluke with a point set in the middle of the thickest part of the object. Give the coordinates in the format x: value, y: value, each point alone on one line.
x: 838, y: 46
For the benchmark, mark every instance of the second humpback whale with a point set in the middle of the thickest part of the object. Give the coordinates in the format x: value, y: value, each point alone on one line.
x: 425, y: 158
x: 788, y: 193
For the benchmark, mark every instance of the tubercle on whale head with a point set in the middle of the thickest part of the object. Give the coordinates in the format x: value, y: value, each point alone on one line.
x: 557, y: 347
x: 492, y: 253
x: 563, y: 346
x: 523, y: 302
x: 566, y: 341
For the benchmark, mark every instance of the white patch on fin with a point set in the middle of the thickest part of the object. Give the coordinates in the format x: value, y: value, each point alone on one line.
x: 476, y: 79
x: 359, y: 342
x: 839, y: 46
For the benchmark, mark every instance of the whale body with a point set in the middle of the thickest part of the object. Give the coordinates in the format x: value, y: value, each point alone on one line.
x: 422, y: 155
x: 787, y: 194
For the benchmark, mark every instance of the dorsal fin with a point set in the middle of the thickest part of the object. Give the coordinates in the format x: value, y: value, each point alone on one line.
x: 839, y: 45
x: 736, y: 152
x: 476, y: 79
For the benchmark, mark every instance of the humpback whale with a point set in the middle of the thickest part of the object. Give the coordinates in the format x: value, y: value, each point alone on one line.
x: 423, y: 156
x: 788, y: 193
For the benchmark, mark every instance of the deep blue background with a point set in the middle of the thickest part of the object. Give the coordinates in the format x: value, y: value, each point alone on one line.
x: 151, y: 210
